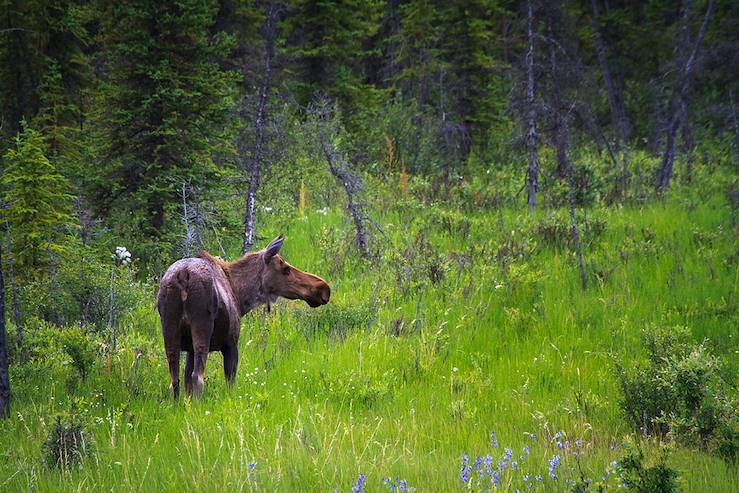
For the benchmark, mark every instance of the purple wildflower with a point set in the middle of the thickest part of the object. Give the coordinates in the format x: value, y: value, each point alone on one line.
x: 464, y: 473
x: 526, y: 450
x: 496, y: 479
x: 252, y: 466
x: 514, y: 465
x: 553, y: 465
x: 533, y: 437
x: 526, y: 478
x: 489, y: 465
x: 494, y: 439
x: 560, y: 446
x: 508, y: 455
x: 539, y: 478
x: 359, y: 487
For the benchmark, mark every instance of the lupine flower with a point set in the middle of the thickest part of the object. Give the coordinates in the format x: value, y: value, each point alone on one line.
x: 489, y: 465
x: 539, y: 478
x: 496, y: 478
x: 526, y: 478
x: 533, y: 437
x: 359, y: 487
x: 553, y: 465
x: 508, y: 454
x: 526, y: 450
x: 560, y: 446
x: 464, y: 473
x: 494, y: 439
x: 558, y: 435
x: 514, y: 465
x: 252, y: 466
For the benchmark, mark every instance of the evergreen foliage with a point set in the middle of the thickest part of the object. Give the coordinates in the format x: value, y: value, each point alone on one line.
x: 38, y: 202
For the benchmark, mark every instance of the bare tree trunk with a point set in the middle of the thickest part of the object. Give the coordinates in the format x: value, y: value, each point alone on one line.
x: 341, y: 170
x: 111, y: 327
x: 260, y: 122
x: 688, y: 141
x: 192, y: 219
x: 561, y: 138
x: 734, y: 117
x: 616, y: 100
x: 4, y: 379
x: 352, y: 186
x: 14, y: 293
x: 680, y: 91
x: 531, y: 136
x: 446, y: 144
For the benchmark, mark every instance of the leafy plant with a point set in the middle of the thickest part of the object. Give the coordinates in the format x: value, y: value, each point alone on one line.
x: 639, y: 478
x: 679, y: 393
x: 68, y: 442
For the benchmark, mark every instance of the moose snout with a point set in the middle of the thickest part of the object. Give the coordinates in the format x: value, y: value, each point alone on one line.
x: 324, y: 293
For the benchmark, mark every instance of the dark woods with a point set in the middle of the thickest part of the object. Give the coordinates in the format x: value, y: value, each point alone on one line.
x: 173, y: 126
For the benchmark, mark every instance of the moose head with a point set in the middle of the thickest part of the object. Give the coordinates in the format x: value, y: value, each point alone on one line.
x: 282, y: 280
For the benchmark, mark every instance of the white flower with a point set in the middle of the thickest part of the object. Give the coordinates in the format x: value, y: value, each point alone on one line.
x: 323, y: 211
x: 498, y: 286
x: 122, y: 255
x: 267, y: 209
x: 455, y: 369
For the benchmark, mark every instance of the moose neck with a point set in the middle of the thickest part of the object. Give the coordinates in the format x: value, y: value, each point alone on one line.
x: 245, y: 276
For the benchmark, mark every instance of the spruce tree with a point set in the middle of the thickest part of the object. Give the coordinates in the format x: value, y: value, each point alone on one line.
x: 162, y: 109
x: 38, y: 202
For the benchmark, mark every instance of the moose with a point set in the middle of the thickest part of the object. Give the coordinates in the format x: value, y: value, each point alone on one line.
x: 201, y: 301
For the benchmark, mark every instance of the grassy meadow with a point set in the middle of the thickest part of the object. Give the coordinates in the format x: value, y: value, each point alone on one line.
x: 473, y: 330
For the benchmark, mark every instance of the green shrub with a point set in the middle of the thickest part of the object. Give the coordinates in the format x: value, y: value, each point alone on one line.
x: 68, y: 442
x: 79, y: 345
x: 639, y: 478
x: 678, y: 393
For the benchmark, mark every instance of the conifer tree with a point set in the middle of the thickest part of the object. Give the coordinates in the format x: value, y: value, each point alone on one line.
x: 162, y: 109
x: 37, y: 201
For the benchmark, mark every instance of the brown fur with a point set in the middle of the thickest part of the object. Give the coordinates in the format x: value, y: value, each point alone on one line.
x: 201, y: 301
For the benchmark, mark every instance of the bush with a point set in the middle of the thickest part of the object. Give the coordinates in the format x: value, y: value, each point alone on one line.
x: 636, y: 477
x: 79, y: 345
x: 68, y: 442
x: 678, y: 393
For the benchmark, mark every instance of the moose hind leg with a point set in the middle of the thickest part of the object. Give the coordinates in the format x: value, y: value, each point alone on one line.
x: 230, y: 362
x: 173, y: 359
x: 189, y: 364
x: 198, y: 373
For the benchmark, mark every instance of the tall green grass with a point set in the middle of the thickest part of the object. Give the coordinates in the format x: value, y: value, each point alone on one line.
x: 401, y: 374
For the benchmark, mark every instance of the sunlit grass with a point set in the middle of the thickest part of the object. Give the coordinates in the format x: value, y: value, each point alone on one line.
x: 402, y: 381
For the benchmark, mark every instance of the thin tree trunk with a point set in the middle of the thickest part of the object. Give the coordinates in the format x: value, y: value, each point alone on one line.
x: 616, y: 100
x: 260, y: 123
x: 561, y: 138
x: 679, y: 93
x: 688, y: 141
x: 111, y: 327
x: 14, y: 294
x: 533, y: 170
x: 734, y: 118
x: 352, y: 186
x: 4, y: 379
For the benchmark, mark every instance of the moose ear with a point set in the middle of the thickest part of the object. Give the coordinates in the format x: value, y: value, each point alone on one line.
x: 273, y: 248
